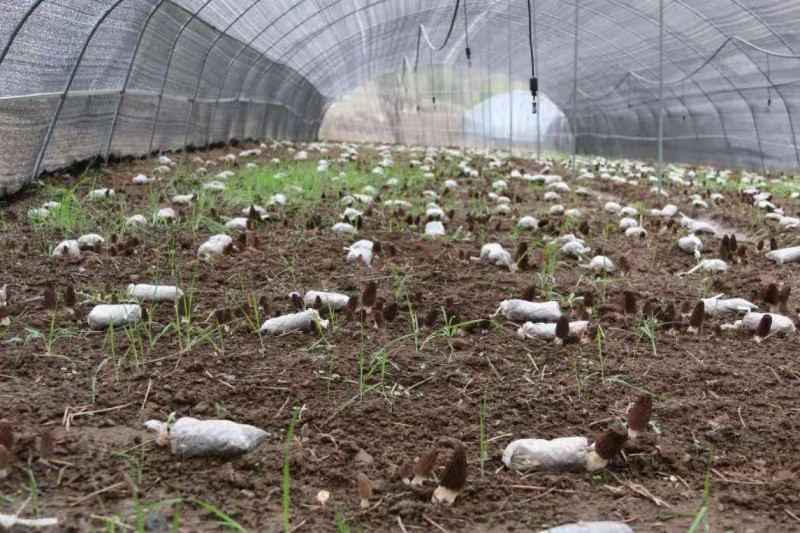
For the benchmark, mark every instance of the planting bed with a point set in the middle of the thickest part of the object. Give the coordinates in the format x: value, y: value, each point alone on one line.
x: 721, y: 451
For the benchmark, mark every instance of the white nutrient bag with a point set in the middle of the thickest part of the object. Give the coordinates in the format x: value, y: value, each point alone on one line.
x: 154, y: 293
x: 785, y: 255
x: 724, y: 306
x: 117, y: 315
x: 562, y: 454
x: 547, y: 331
x: 525, y: 311
x: 192, y: 437
x: 591, y: 527
x: 303, y: 321
x: 333, y: 300
x: 782, y: 325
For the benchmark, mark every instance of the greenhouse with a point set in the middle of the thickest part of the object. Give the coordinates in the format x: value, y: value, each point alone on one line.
x: 399, y: 265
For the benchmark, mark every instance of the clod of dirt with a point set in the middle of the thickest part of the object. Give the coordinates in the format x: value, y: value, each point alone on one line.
x: 103, y: 316
x: 191, y: 437
x: 303, y: 321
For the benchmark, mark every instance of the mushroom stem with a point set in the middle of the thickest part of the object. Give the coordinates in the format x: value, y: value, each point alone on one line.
x: 444, y: 495
x: 594, y: 462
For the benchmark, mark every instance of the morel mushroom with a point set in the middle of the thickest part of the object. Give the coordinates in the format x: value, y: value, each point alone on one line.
x: 639, y: 416
x: 454, y: 477
x: 607, y: 445
x: 764, y: 325
x: 424, y: 467
x: 364, y: 489
x: 696, y: 320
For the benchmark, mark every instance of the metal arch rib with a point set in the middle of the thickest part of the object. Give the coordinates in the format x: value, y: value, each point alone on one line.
x: 12, y: 37
x: 124, y: 89
x: 63, y: 96
x: 250, y: 66
x: 166, y: 73
x: 219, y: 36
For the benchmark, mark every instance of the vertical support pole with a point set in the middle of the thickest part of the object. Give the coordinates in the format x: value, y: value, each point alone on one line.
x: 539, y: 69
x: 660, y: 94
x: 574, y: 118
x: 510, y: 88
x: 489, y: 87
x: 482, y: 100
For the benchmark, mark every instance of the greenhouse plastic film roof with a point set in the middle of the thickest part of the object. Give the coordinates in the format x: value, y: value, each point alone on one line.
x: 87, y: 78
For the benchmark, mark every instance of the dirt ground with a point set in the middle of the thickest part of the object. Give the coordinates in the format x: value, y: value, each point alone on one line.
x: 716, y: 394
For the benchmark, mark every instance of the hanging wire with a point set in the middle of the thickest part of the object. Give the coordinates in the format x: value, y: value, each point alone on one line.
x: 466, y: 36
x: 769, y: 88
x: 534, y: 82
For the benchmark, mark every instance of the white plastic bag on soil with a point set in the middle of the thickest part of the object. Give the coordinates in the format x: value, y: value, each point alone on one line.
x: 302, y: 321
x: 154, y: 293
x: 497, y: 255
x: 214, y: 246
x: 717, y: 306
x: 547, y: 331
x: 525, y: 311
x: 591, y: 527
x: 562, y: 454
x: 785, y: 255
x: 782, y: 325
x: 71, y: 246
x: 434, y: 228
x: 362, y: 249
x: 192, y: 437
x: 117, y: 315
x: 334, y: 300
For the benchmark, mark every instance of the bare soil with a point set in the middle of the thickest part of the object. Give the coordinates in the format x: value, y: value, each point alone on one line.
x: 718, y: 390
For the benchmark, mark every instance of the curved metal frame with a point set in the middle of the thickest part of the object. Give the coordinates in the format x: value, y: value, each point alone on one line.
x: 124, y: 89
x: 221, y: 34
x: 319, y: 100
x: 166, y: 73
x: 63, y: 97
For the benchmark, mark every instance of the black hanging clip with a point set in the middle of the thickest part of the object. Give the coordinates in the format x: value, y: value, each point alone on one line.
x: 469, y: 56
x: 534, y: 86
